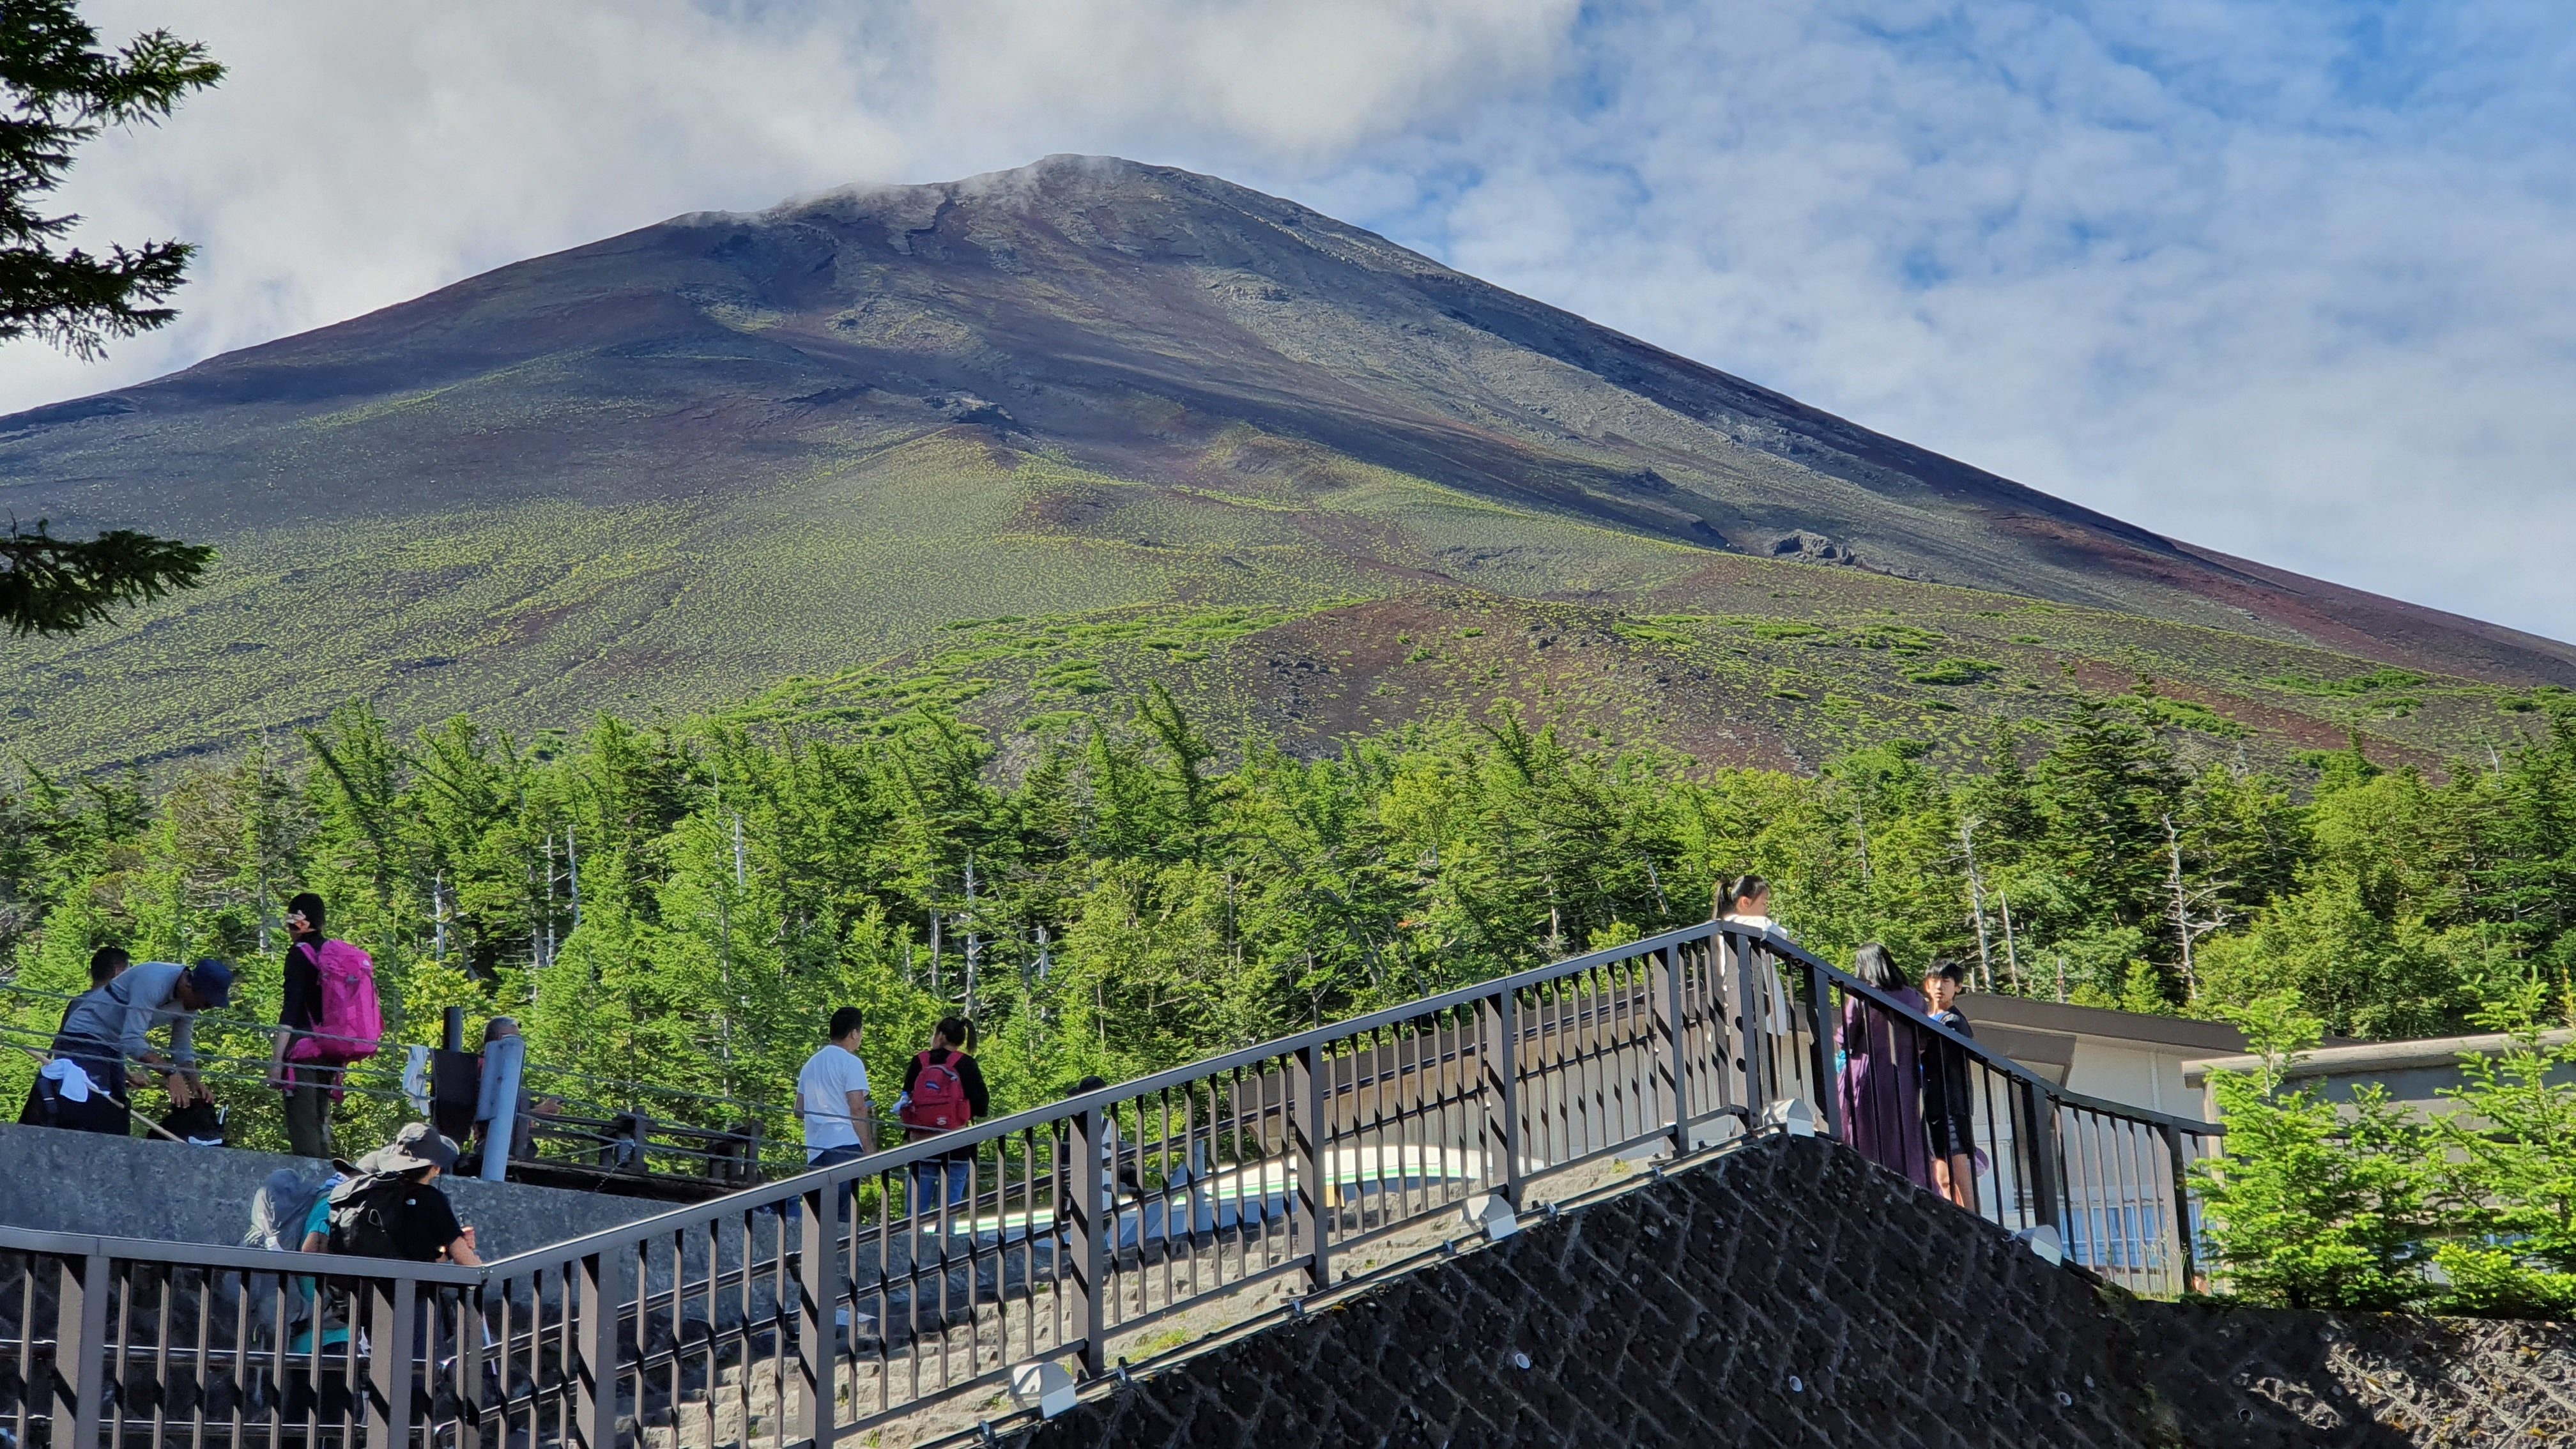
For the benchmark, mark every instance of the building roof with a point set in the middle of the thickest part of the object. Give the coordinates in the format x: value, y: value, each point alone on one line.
x: 2370, y: 1056
x: 2027, y: 1015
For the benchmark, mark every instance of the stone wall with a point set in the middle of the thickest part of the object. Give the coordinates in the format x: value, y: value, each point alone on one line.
x: 2258, y: 1378
x: 1790, y: 1293
x: 140, y: 1187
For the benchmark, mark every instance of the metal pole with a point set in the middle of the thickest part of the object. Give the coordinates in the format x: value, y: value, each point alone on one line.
x: 1089, y: 1229
x: 2182, y: 1204
x: 818, y: 1281
x: 602, y: 1288
x: 2041, y: 1149
x: 1820, y: 1045
x: 1500, y: 1018
x: 503, y: 1134
x: 1752, y: 1029
x: 389, y: 1368
x: 473, y: 1431
x: 80, y: 1350
x: 1312, y: 1209
x: 454, y: 1035
x: 1672, y: 1069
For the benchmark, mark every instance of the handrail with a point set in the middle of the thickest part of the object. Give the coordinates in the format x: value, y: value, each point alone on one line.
x: 1258, y: 1169
x: 1992, y: 1059
x: 226, y: 1255
x: 890, y: 1159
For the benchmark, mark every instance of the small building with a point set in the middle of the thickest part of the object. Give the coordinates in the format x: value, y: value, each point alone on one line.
x: 2126, y: 1057
x: 2416, y: 1073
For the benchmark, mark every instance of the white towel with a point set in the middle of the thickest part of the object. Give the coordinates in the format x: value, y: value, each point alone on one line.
x: 415, y: 1079
x: 71, y: 1083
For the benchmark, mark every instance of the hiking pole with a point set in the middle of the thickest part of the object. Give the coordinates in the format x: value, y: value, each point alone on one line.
x: 41, y: 1058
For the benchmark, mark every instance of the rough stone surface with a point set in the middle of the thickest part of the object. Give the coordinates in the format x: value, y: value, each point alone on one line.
x: 1792, y: 1294
x: 2260, y: 1378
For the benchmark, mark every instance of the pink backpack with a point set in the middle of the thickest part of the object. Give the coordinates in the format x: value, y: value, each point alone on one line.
x: 350, y: 1023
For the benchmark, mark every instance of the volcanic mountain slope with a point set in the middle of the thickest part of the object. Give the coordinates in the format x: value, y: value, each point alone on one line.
x: 677, y: 466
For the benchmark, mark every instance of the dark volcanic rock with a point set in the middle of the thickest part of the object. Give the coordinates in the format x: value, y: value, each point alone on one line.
x: 730, y: 409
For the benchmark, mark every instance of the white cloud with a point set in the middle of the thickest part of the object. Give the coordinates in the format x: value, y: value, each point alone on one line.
x: 2299, y: 292
x: 2287, y: 280
x: 359, y: 155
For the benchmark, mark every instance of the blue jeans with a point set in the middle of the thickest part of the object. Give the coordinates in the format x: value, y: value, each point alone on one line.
x: 834, y: 1157
x: 960, y: 1173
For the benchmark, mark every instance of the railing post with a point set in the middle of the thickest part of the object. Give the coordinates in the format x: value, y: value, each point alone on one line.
x: 1752, y: 1035
x: 2041, y: 1150
x: 602, y: 1291
x: 2182, y: 1204
x: 472, y: 1431
x: 1821, y: 1022
x: 389, y: 1367
x: 1664, y: 988
x: 1499, y: 1016
x: 1089, y: 1229
x: 818, y: 1279
x: 80, y: 1350
x: 1308, y: 1131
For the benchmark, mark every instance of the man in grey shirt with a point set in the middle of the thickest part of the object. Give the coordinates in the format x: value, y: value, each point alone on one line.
x: 106, y: 1035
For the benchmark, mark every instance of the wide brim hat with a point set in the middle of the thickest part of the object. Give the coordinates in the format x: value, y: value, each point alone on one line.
x: 416, y: 1146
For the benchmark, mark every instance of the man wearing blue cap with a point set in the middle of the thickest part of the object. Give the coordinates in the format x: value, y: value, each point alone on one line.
x: 104, y: 1048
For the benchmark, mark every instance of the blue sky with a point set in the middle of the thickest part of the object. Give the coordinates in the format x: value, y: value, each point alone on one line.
x: 2294, y: 281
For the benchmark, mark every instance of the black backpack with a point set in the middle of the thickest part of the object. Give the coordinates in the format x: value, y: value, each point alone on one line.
x: 362, y: 1215
x: 201, y: 1123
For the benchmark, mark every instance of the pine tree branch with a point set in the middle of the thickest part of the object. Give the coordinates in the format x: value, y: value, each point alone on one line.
x: 52, y: 585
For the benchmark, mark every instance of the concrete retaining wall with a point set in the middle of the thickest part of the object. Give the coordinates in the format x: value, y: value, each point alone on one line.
x: 135, y: 1187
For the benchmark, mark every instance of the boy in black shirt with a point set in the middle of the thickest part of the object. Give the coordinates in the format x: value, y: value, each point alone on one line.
x: 1949, y: 1097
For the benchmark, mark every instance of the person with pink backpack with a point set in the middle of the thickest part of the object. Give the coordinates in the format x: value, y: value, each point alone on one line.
x: 327, y: 1018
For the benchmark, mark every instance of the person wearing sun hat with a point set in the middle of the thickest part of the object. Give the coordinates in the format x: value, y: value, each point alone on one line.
x: 391, y: 1207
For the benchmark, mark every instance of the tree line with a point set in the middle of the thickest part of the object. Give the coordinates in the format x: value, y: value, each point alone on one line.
x: 682, y: 902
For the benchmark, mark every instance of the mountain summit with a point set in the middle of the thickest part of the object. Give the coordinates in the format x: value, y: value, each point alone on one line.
x: 681, y: 463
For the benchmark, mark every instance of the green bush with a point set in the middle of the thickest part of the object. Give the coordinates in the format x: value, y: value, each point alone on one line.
x: 2511, y: 1168
x: 2320, y: 1205
x: 2314, y: 1206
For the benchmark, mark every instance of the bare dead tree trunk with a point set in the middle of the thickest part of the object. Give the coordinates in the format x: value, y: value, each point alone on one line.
x: 1977, y: 905
x: 2012, y: 957
x: 2188, y: 927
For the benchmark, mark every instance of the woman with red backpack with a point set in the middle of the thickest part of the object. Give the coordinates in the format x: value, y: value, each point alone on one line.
x: 943, y: 1090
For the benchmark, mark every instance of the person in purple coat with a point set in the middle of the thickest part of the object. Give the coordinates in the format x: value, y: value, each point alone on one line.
x: 1882, y: 1073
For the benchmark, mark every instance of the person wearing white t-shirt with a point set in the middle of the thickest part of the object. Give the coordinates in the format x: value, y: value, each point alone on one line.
x: 832, y: 1095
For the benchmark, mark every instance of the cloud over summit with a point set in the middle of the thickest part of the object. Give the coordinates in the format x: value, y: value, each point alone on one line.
x: 2287, y: 280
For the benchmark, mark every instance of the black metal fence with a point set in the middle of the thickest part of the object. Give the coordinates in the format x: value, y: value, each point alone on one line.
x: 824, y: 1306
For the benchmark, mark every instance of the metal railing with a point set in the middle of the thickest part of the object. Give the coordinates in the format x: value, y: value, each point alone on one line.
x: 817, y: 1308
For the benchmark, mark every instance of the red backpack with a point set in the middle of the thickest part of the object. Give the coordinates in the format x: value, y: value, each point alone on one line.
x: 350, y: 1023
x: 937, y: 1101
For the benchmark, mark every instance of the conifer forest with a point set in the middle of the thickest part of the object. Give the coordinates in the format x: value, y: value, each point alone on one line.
x: 681, y: 904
